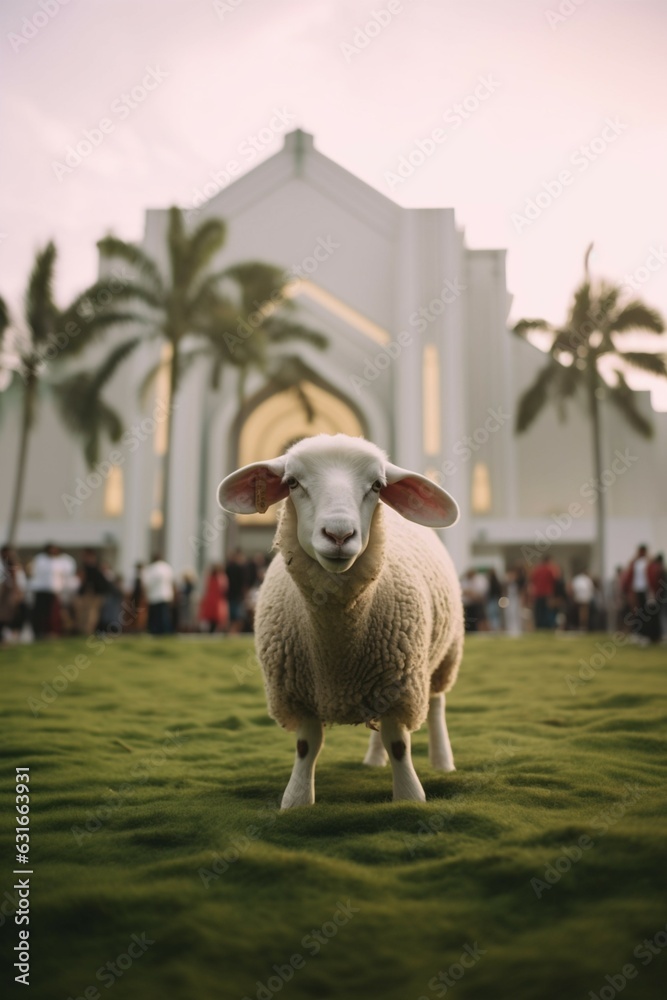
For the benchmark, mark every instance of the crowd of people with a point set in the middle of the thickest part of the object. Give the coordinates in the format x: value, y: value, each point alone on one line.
x: 54, y: 595
x: 543, y: 597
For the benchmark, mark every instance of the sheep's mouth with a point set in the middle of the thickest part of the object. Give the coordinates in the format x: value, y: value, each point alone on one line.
x: 336, y: 563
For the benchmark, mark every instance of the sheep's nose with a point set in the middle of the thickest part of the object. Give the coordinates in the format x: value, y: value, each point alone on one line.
x: 339, y: 538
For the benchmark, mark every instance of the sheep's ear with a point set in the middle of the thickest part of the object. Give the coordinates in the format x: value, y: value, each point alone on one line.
x: 253, y: 488
x: 418, y: 498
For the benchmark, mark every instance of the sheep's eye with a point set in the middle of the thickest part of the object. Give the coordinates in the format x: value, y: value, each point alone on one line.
x: 292, y: 482
x: 377, y: 485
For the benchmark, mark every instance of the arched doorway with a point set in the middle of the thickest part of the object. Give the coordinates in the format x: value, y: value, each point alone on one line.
x: 268, y: 424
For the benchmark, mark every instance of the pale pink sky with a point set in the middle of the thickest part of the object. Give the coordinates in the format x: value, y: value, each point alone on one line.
x: 554, y: 87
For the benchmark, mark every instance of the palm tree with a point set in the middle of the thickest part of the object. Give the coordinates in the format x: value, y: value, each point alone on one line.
x: 598, y: 316
x: 51, y: 337
x: 238, y: 315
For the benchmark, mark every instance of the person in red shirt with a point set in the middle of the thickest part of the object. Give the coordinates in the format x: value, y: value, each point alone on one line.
x: 543, y: 586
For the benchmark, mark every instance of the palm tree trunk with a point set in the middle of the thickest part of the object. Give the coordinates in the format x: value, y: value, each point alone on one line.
x: 26, y: 424
x: 163, y: 534
x: 600, y: 508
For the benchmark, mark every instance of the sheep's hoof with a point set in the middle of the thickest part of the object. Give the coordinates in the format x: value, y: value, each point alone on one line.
x: 416, y: 795
x: 442, y: 764
x: 296, y: 797
x: 375, y: 760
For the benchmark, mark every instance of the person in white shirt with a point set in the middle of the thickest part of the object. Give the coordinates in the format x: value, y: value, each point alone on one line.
x: 638, y: 586
x: 583, y: 591
x: 158, y: 581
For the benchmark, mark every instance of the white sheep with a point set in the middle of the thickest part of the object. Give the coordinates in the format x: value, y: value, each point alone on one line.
x: 359, y: 618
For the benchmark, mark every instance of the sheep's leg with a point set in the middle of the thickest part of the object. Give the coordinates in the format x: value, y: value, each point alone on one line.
x: 439, y: 748
x: 396, y: 740
x: 300, y: 790
x: 376, y: 755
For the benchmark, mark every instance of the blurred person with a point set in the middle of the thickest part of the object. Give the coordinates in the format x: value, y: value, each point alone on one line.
x: 583, y: 592
x: 513, y: 607
x: 657, y: 581
x: 158, y: 581
x: 214, y: 607
x: 137, y: 603
x: 111, y: 618
x: 618, y: 599
x: 94, y: 585
x: 543, y: 587
x: 636, y: 586
x: 185, y: 616
x: 44, y: 583
x: 473, y: 591
x: 67, y: 584
x: 13, y: 586
x: 237, y: 570
x: 494, y: 594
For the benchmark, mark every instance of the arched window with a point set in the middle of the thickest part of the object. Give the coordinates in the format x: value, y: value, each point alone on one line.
x: 481, y: 488
x: 431, y: 397
x: 114, y: 492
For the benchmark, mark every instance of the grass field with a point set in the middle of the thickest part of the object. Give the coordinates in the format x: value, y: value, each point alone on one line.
x: 155, y: 777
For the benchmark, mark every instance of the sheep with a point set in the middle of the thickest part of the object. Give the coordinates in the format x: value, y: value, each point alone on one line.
x: 359, y: 618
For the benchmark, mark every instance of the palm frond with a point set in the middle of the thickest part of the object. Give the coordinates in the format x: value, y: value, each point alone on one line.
x: 654, y: 363
x: 258, y: 284
x: 636, y: 315
x: 203, y: 245
x: 534, y: 398
x: 177, y: 244
x: 40, y: 309
x: 624, y: 399
x: 4, y: 316
x: 282, y: 331
x: 108, y: 368
x: 524, y: 326
x: 145, y: 269
x: 581, y: 311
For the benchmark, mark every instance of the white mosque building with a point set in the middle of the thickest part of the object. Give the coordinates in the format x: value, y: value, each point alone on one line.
x: 419, y: 360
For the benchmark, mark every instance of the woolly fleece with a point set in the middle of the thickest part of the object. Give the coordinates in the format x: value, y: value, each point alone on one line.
x: 376, y: 640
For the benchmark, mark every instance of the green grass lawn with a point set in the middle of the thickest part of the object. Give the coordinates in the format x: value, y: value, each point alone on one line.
x: 155, y: 777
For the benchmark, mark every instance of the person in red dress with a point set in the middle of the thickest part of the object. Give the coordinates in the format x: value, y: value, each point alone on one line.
x: 214, y: 606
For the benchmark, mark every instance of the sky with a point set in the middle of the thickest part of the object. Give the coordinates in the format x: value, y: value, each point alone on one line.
x: 542, y: 123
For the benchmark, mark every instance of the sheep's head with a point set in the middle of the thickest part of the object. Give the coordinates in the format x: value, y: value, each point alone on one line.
x: 335, y: 483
